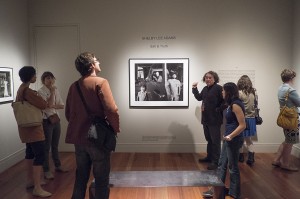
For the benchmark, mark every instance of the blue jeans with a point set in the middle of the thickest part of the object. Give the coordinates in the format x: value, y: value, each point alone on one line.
x: 229, y: 157
x: 52, y: 136
x: 86, y: 157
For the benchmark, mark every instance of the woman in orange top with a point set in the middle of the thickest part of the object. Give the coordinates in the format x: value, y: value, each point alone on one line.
x: 32, y: 136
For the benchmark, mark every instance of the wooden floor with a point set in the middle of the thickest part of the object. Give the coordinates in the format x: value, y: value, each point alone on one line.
x: 261, y: 181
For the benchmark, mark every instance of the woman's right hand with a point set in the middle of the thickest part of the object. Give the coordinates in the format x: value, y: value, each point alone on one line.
x: 195, y: 84
x: 52, y: 88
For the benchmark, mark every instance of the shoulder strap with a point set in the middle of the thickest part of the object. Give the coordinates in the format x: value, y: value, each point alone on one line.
x: 21, y: 96
x: 287, y: 95
x: 82, y: 98
x: 255, y: 100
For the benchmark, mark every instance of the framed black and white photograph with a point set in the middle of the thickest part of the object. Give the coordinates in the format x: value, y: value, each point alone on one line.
x: 6, y: 85
x: 159, y: 82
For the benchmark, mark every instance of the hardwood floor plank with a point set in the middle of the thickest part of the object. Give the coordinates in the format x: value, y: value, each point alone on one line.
x: 261, y: 181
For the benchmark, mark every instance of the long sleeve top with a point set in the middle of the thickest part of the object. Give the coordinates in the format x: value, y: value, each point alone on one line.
x: 248, y: 101
x: 293, y: 99
x: 100, y: 104
x: 212, y: 100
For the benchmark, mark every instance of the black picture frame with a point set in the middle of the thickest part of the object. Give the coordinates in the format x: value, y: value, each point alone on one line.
x: 158, y: 82
x: 6, y: 85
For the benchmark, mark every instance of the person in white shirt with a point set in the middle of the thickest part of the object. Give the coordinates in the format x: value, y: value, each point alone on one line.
x: 52, y: 129
x: 175, y: 87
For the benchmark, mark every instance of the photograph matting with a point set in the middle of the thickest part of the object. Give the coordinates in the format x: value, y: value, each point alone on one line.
x: 6, y: 85
x: 159, y: 82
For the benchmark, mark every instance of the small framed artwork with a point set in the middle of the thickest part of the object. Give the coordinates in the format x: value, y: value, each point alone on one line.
x: 6, y: 85
x: 159, y: 82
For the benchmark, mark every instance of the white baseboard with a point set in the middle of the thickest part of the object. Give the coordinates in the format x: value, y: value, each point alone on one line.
x: 12, y: 159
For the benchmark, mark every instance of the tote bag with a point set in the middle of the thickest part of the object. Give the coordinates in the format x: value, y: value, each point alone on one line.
x: 26, y: 114
x: 288, y: 116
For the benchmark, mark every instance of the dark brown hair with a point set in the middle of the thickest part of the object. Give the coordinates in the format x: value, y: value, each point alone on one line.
x: 214, y: 74
x: 244, y: 84
x: 46, y: 74
x: 287, y: 75
x: 26, y: 73
x: 231, y: 92
x: 83, y: 63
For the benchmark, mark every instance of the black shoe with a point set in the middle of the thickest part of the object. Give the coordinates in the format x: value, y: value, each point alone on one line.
x: 250, y: 160
x: 226, y: 191
x: 206, y: 159
x: 212, y: 166
x: 241, y: 157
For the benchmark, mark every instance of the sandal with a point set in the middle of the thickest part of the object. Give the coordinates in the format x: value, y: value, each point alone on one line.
x: 289, y: 168
x: 30, y: 185
x: 276, y: 164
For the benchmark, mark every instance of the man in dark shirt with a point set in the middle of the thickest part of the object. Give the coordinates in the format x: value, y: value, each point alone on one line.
x: 212, y: 116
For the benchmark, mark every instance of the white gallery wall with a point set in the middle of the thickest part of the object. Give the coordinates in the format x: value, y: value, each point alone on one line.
x: 233, y: 36
x: 14, y: 53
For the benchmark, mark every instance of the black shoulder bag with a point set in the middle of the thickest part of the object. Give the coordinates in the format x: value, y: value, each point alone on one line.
x: 101, y: 132
x: 258, y: 119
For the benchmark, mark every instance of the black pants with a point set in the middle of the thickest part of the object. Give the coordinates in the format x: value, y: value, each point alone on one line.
x: 212, y: 135
x: 87, y: 158
x: 35, y: 151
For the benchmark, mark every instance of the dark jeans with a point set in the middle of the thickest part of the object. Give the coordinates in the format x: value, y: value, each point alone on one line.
x: 213, y: 137
x: 52, y: 135
x: 229, y: 157
x: 35, y: 151
x: 86, y: 157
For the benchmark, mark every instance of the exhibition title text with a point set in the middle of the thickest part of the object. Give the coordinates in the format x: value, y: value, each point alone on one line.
x: 158, y: 38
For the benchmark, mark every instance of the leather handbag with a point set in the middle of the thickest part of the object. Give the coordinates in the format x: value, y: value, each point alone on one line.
x: 101, y: 133
x: 288, y: 116
x: 53, y: 119
x: 258, y: 119
x: 26, y: 114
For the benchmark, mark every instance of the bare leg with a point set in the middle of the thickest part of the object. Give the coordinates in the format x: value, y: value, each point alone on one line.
x: 285, y: 158
x: 249, y: 144
x: 37, y: 177
x: 38, y: 190
x: 279, y: 154
x: 286, y: 152
x: 29, y: 172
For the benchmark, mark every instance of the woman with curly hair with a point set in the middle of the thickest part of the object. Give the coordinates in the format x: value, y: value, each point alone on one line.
x: 248, y: 94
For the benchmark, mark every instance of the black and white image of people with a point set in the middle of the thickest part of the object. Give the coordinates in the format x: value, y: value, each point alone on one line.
x: 4, y: 85
x: 159, y: 81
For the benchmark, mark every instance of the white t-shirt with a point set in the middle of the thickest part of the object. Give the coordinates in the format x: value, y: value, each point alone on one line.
x: 45, y: 93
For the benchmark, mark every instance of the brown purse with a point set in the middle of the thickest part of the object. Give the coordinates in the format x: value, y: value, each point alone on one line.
x: 288, y: 116
x: 53, y: 119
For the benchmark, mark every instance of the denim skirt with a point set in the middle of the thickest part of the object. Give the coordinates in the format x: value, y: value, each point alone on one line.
x: 250, y: 127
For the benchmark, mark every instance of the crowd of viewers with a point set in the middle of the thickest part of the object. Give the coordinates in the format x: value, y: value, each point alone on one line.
x: 234, y: 100
x: 239, y: 102
x: 42, y: 139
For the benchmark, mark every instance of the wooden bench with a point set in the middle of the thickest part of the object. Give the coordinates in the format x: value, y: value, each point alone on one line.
x: 165, y: 179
